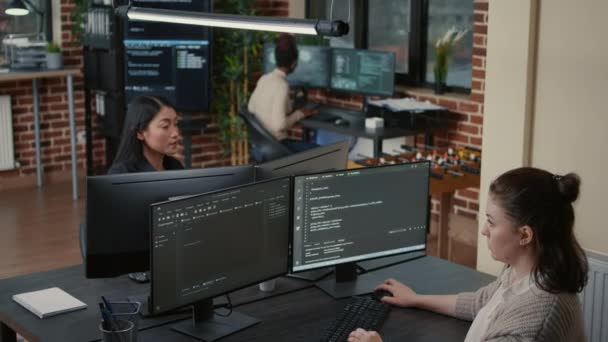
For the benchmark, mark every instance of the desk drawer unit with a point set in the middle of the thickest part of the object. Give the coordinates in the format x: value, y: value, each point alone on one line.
x: 7, y: 152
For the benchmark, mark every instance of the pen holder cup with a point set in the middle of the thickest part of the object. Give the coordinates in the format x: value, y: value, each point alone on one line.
x: 127, y: 311
x: 123, y: 331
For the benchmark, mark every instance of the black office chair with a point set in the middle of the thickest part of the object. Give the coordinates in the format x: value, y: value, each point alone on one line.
x: 264, y: 147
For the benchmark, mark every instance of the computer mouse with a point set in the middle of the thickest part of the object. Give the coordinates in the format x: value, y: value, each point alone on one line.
x: 140, y: 277
x: 340, y: 122
x: 378, y: 294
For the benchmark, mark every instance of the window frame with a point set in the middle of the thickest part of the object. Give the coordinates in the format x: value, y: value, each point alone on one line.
x: 47, y: 14
x: 417, y: 55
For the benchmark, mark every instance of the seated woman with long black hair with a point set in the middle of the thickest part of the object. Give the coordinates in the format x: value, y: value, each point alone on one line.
x: 150, y: 140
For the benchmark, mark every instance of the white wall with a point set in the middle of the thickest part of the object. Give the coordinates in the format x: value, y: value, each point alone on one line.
x: 297, y: 8
x: 56, y: 14
x: 560, y: 99
x: 508, y: 100
x: 571, y: 113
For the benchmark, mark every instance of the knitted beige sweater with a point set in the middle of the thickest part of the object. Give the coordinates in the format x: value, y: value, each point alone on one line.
x: 535, y: 315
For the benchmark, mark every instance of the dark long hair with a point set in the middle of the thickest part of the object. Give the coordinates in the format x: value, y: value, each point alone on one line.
x: 140, y: 112
x: 543, y: 201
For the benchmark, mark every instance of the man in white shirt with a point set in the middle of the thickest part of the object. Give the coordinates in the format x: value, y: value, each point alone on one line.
x: 270, y: 101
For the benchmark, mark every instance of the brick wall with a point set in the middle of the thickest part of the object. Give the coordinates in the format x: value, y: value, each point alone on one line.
x: 206, y: 148
x: 465, y: 128
x: 54, y: 124
x: 466, y: 119
x: 277, y: 8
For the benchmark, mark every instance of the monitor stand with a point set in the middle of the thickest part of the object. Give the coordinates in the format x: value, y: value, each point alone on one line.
x: 347, y: 282
x: 144, y: 309
x: 206, y: 325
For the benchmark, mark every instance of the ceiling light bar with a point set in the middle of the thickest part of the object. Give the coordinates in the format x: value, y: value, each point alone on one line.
x: 333, y: 28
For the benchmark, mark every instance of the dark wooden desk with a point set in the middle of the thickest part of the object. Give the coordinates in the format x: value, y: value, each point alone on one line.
x: 303, y: 315
x: 356, y: 128
x: 298, y: 315
x: 82, y: 325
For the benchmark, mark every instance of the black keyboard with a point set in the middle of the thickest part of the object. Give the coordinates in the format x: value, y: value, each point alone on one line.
x: 361, y: 312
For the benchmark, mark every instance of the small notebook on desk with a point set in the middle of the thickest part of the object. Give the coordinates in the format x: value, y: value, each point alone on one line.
x: 48, y: 302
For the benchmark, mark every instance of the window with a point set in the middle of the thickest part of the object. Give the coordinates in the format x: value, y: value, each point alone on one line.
x: 409, y: 28
x: 392, y: 31
x: 31, y: 23
x: 342, y: 11
x: 444, y: 14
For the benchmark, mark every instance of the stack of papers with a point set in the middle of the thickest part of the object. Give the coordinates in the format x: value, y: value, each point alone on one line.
x: 405, y: 104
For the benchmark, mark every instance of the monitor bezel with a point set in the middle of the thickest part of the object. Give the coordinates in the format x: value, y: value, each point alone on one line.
x: 292, y: 233
x: 152, y: 309
x: 274, y: 166
x: 103, y: 262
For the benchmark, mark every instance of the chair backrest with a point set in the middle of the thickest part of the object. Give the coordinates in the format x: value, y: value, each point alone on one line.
x: 264, y: 146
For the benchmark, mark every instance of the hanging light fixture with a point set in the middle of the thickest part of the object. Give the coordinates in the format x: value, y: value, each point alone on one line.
x: 17, y: 8
x: 334, y: 28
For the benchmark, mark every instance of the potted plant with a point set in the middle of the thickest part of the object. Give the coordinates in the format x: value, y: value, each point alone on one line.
x: 443, y: 49
x: 237, y: 62
x: 78, y: 17
x: 54, y: 59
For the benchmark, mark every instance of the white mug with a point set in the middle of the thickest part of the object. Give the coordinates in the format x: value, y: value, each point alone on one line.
x: 268, y: 286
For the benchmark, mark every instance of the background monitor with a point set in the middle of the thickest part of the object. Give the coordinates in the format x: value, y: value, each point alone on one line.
x: 320, y: 159
x: 208, y: 245
x: 363, y: 71
x: 176, y: 69
x: 313, y: 66
x: 169, y: 60
x: 117, y: 235
x: 346, y: 216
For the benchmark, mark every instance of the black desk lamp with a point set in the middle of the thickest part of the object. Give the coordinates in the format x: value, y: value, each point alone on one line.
x: 19, y: 8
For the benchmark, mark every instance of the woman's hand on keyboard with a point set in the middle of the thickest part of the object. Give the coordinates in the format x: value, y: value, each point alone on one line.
x: 361, y: 335
x: 402, y: 294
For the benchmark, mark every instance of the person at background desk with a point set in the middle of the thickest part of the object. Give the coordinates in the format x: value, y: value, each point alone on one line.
x: 270, y: 101
x: 529, y: 227
x: 150, y: 140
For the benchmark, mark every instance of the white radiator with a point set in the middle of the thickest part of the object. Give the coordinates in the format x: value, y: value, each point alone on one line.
x: 595, y: 298
x: 7, y: 152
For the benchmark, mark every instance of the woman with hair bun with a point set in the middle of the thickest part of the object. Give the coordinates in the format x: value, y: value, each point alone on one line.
x: 529, y: 227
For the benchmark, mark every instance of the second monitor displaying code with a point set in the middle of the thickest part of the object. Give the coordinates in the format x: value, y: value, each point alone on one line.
x: 353, y: 215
